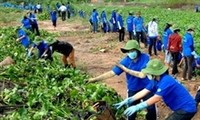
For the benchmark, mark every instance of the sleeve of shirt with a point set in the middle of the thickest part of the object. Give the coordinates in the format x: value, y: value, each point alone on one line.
x: 150, y: 86
x: 118, y: 70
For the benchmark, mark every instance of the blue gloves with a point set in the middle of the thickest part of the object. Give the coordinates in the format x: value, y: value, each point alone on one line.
x: 127, y: 101
x: 129, y: 111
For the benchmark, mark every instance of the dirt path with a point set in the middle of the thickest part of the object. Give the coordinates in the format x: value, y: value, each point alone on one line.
x: 98, y: 53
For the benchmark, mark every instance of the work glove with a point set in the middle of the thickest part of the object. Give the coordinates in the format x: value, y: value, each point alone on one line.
x: 129, y: 111
x: 194, y: 54
x: 127, y: 101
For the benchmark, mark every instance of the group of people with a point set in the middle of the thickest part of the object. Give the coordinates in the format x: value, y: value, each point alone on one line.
x: 45, y: 50
x: 149, y: 81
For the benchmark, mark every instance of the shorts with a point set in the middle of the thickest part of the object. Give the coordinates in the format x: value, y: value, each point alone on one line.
x: 168, y: 57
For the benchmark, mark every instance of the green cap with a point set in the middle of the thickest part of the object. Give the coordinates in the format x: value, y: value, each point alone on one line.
x: 190, y: 28
x: 131, y: 45
x: 155, y: 67
x: 176, y: 28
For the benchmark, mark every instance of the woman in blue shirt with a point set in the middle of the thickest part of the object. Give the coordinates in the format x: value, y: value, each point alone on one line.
x: 188, y: 48
x: 165, y: 38
x: 53, y: 15
x: 26, y: 23
x: 165, y: 87
x: 120, y: 26
x: 22, y: 37
x: 132, y: 64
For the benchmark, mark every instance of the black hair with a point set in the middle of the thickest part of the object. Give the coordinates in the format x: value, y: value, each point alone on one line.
x: 167, y: 26
x: 138, y: 53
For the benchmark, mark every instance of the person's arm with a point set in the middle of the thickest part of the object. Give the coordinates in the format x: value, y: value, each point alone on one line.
x: 18, y: 39
x: 154, y: 99
x: 132, y: 72
x: 102, y: 77
x: 140, y: 94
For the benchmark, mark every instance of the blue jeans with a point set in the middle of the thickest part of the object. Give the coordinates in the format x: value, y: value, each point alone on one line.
x: 95, y: 26
x: 152, y: 44
x: 151, y: 110
x: 180, y: 115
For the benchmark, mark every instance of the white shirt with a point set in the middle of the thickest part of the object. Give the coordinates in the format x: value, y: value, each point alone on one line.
x: 62, y: 8
x: 38, y: 6
x: 152, y: 29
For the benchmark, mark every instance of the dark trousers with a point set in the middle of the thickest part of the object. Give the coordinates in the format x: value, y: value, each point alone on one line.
x: 95, y: 26
x: 188, y: 67
x: 151, y: 110
x: 68, y: 14
x: 59, y: 13
x: 152, y: 43
x: 63, y: 15
x: 121, y: 34
x: 35, y: 28
x: 130, y: 35
x: 140, y: 36
x: 180, y: 115
x: 175, y: 56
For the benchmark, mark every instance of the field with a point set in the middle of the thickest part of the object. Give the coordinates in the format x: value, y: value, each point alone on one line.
x: 44, y: 90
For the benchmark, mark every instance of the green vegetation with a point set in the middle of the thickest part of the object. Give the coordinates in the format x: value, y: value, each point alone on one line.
x: 44, y: 89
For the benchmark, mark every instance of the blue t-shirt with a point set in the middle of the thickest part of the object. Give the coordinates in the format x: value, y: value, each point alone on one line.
x: 103, y: 17
x: 129, y: 22
x: 32, y: 17
x: 188, y: 45
x: 26, y: 23
x: 95, y: 17
x: 120, y: 20
x: 138, y: 22
x: 165, y: 37
x: 53, y: 15
x: 173, y: 94
x: 134, y: 83
x: 113, y: 17
x: 25, y: 40
x: 41, y: 46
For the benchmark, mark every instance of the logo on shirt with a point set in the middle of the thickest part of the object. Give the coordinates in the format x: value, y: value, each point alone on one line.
x: 158, y: 90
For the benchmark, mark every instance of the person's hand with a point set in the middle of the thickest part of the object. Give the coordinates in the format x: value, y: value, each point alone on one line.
x: 127, y: 101
x: 129, y: 111
x: 17, y: 39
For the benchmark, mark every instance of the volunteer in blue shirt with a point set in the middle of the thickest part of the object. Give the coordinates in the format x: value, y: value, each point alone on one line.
x: 129, y: 23
x: 22, y: 37
x: 165, y: 38
x: 188, y: 48
x: 120, y: 26
x: 34, y: 23
x: 113, y: 21
x: 104, y: 21
x: 53, y: 15
x: 43, y: 50
x: 95, y: 18
x: 139, y: 27
x: 57, y: 8
x: 132, y: 64
x: 165, y: 87
x: 68, y: 10
x: 26, y: 23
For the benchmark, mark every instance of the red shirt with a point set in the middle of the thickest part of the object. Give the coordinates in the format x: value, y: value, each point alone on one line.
x: 175, y: 43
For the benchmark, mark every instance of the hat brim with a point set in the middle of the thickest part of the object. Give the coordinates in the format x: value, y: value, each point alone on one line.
x: 124, y: 50
x: 190, y: 29
x: 155, y: 72
x: 177, y: 29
